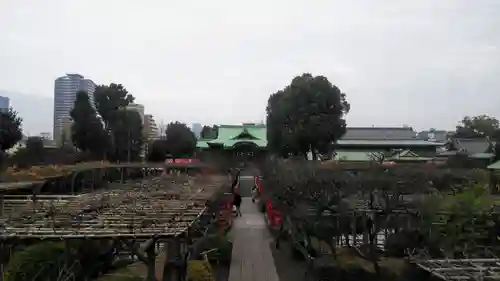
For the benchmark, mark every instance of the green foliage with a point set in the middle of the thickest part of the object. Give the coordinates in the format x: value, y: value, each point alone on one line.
x: 307, y: 115
x: 35, y: 146
x: 180, y: 140
x: 496, y: 147
x: 32, y: 154
x: 87, y: 132
x: 123, y: 274
x: 461, y: 222
x: 307, y: 193
x: 109, y: 99
x: 27, y: 157
x: 216, y: 241
x: 157, y: 151
x: 51, y: 261
x: 38, y: 262
x: 124, y: 127
x: 199, y: 270
x: 477, y: 126
x: 208, y: 132
x: 65, y: 155
x: 127, y: 136
x: 10, y: 129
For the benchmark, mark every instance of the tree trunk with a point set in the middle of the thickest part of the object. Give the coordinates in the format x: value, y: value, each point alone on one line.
x: 3, y: 165
x: 314, y: 154
x: 151, y: 264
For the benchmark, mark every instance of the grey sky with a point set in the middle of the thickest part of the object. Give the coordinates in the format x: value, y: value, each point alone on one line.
x: 425, y: 63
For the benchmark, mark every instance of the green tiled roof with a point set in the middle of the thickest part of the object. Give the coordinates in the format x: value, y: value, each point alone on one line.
x: 230, y: 135
x: 494, y: 166
x: 408, y: 155
x: 257, y: 134
x: 482, y: 155
x: 202, y: 144
x: 414, y: 142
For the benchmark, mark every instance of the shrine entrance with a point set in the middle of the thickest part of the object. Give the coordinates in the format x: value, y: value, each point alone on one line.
x: 244, y: 152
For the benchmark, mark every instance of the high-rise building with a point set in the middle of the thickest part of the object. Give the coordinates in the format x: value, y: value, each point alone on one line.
x: 150, y: 128
x: 4, y: 104
x: 137, y: 107
x: 196, y: 128
x: 65, y: 89
x: 150, y: 131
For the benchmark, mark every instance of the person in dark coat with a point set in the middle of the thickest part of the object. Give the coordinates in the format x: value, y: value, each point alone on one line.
x: 237, y: 203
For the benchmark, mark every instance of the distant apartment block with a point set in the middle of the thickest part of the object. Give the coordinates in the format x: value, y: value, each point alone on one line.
x: 137, y: 107
x: 196, y: 128
x: 4, y: 104
x: 65, y: 89
x: 151, y: 131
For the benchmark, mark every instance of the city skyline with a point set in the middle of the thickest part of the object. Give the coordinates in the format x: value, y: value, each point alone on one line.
x: 4, y: 103
x: 423, y: 63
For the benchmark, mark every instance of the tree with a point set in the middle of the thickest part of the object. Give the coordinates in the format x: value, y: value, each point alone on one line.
x: 10, y: 132
x: 209, y: 132
x: 496, y: 148
x: 477, y: 126
x: 127, y: 135
x: 35, y: 146
x: 109, y: 99
x: 120, y: 124
x: 308, y: 115
x: 157, y: 151
x: 180, y: 140
x: 32, y: 154
x: 87, y: 132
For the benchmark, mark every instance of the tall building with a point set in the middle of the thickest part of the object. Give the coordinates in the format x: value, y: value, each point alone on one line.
x: 196, y: 128
x: 137, y: 107
x: 4, y: 104
x: 151, y: 131
x: 65, y: 89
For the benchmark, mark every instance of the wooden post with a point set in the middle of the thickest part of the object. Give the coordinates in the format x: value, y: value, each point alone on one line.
x: 151, y: 264
x: 353, y: 228
x: 174, y: 262
x: 1, y: 203
x: 365, y: 229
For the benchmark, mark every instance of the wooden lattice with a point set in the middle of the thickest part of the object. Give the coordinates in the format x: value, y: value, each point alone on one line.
x: 463, y: 269
x: 157, y: 207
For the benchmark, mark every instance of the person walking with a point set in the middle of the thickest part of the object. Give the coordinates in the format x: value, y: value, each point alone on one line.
x: 237, y: 203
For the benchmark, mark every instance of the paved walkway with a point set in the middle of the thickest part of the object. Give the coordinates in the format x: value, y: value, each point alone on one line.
x: 252, y: 259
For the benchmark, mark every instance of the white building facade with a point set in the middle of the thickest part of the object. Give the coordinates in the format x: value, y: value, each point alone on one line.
x: 65, y: 89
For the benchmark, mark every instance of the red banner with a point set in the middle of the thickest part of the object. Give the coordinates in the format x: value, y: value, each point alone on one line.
x: 182, y: 161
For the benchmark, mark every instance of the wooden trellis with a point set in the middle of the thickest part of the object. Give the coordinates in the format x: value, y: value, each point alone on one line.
x: 462, y: 269
x: 144, y: 209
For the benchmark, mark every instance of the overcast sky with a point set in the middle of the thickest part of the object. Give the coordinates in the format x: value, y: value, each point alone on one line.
x: 425, y: 63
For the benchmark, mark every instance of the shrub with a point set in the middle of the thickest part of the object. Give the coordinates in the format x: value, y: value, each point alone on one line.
x: 199, y: 270
x: 49, y: 261
x: 222, y: 244
x: 121, y: 275
x: 38, y: 262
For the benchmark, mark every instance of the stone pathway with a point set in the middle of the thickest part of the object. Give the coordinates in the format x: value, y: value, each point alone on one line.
x: 252, y: 259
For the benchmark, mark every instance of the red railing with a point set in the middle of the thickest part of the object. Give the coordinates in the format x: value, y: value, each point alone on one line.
x: 274, y: 217
x: 258, y: 184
